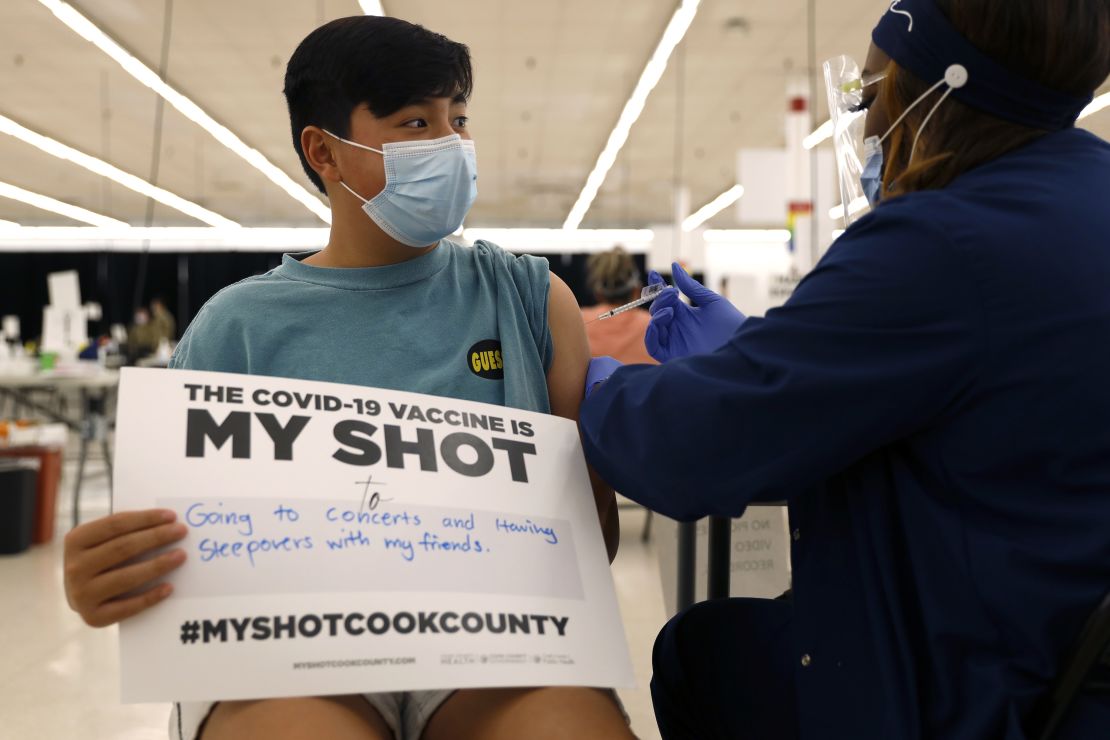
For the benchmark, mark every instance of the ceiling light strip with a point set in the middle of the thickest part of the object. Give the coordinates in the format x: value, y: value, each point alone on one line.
x: 232, y: 239
x: 1100, y: 103
x: 371, y: 7
x: 558, y: 241
x: 821, y: 134
x: 47, y: 203
x: 16, y: 238
x: 148, y: 77
x: 713, y: 207
x: 160, y: 239
x: 656, y: 66
x: 856, y: 206
x: 102, y: 168
x: 746, y: 236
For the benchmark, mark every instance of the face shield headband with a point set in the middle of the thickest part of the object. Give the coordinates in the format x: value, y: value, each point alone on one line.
x: 917, y: 35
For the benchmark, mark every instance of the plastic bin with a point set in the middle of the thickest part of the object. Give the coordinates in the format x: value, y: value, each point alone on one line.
x: 17, y: 505
x: 49, y: 475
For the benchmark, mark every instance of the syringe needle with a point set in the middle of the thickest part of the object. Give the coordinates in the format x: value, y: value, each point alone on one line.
x: 647, y: 295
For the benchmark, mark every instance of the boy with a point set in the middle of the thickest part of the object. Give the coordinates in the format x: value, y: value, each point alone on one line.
x: 378, y: 113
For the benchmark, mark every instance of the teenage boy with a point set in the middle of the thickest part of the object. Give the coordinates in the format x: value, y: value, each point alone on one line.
x: 378, y: 109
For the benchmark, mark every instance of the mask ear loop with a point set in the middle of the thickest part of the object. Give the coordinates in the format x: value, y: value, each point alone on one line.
x: 353, y: 143
x: 925, y: 123
x: 352, y: 192
x: 955, y: 77
x: 360, y: 146
x: 908, y: 110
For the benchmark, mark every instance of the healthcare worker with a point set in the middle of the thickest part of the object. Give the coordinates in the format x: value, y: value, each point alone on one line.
x: 933, y: 403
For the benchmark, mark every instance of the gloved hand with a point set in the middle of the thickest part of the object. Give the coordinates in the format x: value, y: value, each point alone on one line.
x: 678, y: 330
x: 600, y: 369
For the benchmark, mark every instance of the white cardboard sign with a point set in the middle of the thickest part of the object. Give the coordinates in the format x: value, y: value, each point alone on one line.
x: 344, y: 539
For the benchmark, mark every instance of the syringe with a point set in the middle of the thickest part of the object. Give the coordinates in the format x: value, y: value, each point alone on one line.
x: 647, y: 295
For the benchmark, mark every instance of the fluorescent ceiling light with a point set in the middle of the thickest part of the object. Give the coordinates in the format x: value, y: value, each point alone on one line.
x: 747, y: 236
x: 371, y: 7
x: 826, y: 130
x: 56, y: 206
x: 144, y: 74
x: 102, y: 168
x: 559, y: 241
x: 8, y: 224
x: 713, y: 207
x: 1099, y: 103
x: 160, y: 239
x: 232, y: 239
x: 857, y: 205
x: 676, y: 30
x: 823, y: 132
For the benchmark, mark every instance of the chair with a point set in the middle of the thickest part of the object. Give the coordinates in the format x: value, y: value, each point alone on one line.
x: 720, y: 560
x: 1077, y: 676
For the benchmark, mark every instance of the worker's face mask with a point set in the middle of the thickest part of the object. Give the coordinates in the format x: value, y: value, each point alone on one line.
x: 871, y: 178
x: 860, y: 161
x: 429, y: 188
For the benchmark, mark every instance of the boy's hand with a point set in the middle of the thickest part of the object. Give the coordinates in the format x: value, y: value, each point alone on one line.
x: 97, y: 572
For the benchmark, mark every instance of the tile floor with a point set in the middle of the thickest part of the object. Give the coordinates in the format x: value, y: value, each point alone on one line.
x: 60, y: 679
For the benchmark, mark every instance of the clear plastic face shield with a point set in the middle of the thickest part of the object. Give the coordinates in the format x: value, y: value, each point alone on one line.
x: 859, y: 160
x: 845, y: 85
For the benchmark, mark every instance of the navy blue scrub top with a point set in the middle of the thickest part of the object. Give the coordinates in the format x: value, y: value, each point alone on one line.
x: 934, y: 404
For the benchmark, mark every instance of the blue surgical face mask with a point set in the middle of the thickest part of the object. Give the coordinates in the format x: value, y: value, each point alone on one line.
x: 871, y: 179
x: 429, y: 188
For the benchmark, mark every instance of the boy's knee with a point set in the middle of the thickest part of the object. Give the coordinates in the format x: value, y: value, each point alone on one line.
x: 552, y: 713
x: 341, y: 717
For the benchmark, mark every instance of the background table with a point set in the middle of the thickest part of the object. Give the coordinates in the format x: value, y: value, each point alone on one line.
x: 94, y: 385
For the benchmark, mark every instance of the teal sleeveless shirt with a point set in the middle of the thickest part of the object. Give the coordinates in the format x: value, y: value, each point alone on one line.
x: 462, y: 322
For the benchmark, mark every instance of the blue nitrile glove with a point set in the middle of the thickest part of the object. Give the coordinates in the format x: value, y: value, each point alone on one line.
x: 678, y: 330
x: 599, y: 371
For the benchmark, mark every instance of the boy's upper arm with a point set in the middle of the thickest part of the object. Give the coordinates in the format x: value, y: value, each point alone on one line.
x: 566, y: 377
x: 213, y: 341
x: 566, y: 381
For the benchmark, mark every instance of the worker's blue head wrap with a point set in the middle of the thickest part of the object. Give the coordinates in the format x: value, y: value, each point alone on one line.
x: 917, y: 35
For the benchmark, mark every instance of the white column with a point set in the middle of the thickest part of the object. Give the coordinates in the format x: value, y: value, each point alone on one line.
x: 798, y: 173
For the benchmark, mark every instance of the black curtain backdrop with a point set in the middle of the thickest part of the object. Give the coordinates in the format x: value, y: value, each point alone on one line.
x: 108, y: 278
x: 184, y: 281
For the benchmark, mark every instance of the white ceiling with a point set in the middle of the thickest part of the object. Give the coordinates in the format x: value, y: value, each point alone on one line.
x: 551, y: 78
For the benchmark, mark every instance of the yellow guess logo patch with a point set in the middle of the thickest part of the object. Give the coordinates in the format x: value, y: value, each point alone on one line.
x: 485, y: 361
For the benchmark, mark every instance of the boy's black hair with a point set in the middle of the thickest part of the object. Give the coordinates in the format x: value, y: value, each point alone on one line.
x: 383, y: 62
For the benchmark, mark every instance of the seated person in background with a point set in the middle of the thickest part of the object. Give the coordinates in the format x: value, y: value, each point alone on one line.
x: 151, y: 328
x: 388, y: 303
x: 614, y: 280
x: 141, y: 340
x: 162, y: 320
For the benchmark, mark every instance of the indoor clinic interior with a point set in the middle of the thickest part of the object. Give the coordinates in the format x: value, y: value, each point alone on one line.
x: 810, y: 304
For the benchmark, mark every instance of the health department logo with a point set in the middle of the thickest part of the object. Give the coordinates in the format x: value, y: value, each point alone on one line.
x: 484, y: 360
